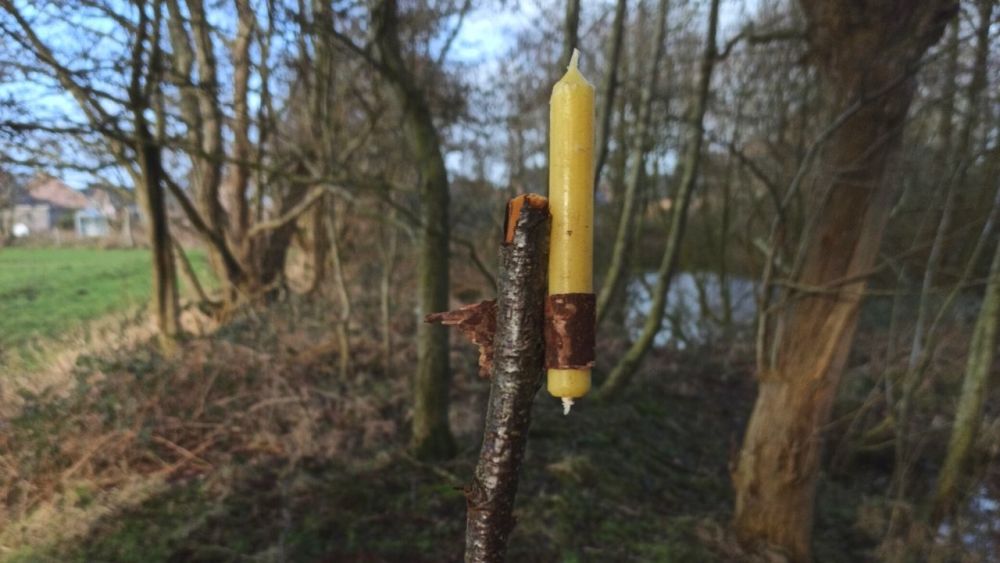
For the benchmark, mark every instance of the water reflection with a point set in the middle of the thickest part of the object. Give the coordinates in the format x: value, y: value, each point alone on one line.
x: 698, y: 310
x: 978, y: 528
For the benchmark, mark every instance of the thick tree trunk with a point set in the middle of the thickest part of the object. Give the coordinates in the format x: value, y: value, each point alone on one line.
x: 269, y: 254
x: 431, y: 437
x: 315, y: 245
x: 865, y: 51
x: 518, y: 354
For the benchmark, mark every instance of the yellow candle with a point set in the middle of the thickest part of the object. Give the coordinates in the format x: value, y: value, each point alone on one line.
x: 571, y: 203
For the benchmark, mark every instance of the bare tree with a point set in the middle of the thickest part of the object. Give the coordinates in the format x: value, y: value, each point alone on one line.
x: 431, y: 432
x: 609, y: 88
x: 638, y: 151
x: 865, y: 51
x: 125, y: 131
x: 629, y: 363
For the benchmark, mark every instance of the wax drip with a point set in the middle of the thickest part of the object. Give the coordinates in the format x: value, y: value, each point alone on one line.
x: 567, y: 404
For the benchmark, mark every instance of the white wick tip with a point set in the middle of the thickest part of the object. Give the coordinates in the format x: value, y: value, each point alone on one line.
x: 567, y: 404
x: 573, y: 60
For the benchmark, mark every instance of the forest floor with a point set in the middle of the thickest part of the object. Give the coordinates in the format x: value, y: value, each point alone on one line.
x: 249, y: 446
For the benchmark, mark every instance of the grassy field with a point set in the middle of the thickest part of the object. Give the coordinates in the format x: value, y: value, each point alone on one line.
x: 46, y: 292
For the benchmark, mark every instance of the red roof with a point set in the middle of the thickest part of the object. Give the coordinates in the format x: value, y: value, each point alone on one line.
x: 55, y: 192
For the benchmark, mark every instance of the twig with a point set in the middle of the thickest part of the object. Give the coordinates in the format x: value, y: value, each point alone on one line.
x: 186, y: 453
x: 90, y: 453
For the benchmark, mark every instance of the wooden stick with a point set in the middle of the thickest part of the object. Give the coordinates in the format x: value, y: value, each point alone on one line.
x: 517, y: 369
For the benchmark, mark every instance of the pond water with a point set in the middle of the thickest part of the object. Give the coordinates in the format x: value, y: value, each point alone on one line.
x: 695, y: 313
x: 979, y: 526
x: 696, y: 309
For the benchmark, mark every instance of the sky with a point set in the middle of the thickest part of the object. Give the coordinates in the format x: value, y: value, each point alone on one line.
x: 488, y: 32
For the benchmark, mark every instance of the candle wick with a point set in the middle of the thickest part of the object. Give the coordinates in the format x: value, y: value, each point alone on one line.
x: 574, y: 59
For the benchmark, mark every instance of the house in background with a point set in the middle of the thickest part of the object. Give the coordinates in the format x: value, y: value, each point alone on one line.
x: 90, y: 223
x: 46, y: 205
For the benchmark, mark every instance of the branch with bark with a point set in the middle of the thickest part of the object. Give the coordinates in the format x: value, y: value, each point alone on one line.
x: 515, y: 364
x: 516, y: 377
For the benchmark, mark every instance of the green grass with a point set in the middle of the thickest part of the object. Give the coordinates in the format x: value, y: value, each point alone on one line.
x: 46, y: 292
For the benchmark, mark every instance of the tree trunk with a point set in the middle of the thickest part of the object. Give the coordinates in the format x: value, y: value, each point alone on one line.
x: 343, y: 297
x: 571, y: 38
x: 866, y: 52
x: 610, y: 87
x: 165, y: 299
x: 518, y: 354
x: 315, y: 246
x: 127, y: 226
x: 953, y: 175
x: 915, y: 360
x: 637, y: 154
x: 233, y: 190
x: 270, y: 250
x: 388, y: 244
x: 188, y: 274
x: 970, y: 404
x: 629, y: 363
x: 432, y: 437
x: 983, y: 345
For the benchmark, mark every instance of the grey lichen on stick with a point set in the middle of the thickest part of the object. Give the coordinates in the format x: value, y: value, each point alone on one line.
x: 518, y: 360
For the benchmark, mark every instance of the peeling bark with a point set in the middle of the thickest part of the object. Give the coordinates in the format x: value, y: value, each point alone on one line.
x: 477, y: 322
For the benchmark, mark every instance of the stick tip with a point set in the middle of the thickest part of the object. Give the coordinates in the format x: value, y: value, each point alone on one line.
x: 567, y: 404
x: 514, y: 207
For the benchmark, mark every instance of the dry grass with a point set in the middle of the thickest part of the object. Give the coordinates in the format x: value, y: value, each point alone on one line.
x: 46, y: 365
x: 121, y: 422
x: 248, y: 444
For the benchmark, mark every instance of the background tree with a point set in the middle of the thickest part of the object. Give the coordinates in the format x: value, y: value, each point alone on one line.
x: 431, y: 432
x: 864, y: 53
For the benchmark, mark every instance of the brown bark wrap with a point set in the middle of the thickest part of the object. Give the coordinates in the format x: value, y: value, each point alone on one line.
x: 570, y: 320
